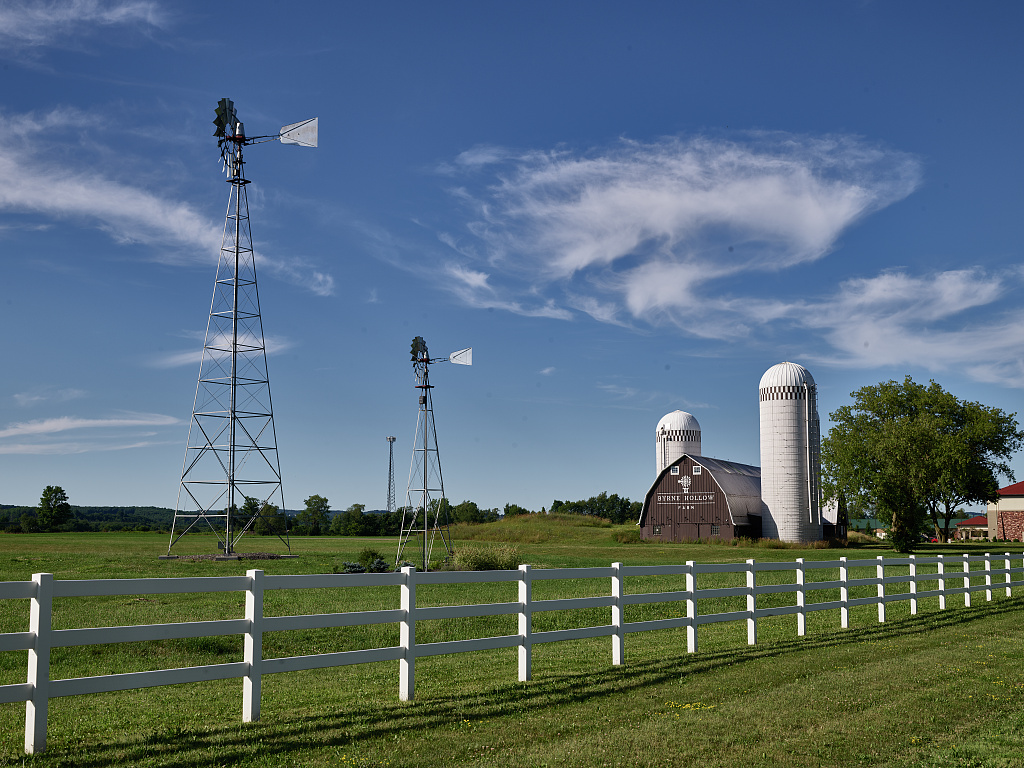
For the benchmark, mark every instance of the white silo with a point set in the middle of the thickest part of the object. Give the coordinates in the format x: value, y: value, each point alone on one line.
x: 790, y: 454
x: 677, y: 433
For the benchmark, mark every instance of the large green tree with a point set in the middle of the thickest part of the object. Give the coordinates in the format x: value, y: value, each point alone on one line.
x: 270, y: 520
x: 314, y: 520
x: 54, y: 509
x: 915, y: 453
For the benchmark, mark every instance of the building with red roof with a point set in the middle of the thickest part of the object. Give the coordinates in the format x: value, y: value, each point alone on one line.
x: 1006, y: 516
x: 973, y: 528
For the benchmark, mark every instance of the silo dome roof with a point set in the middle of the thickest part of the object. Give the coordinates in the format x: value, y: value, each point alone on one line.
x: 786, y: 375
x: 678, y: 420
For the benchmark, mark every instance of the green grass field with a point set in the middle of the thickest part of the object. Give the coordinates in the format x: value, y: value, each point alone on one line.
x: 937, y: 689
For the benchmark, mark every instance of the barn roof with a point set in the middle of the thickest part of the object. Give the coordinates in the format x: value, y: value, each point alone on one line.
x: 741, y: 484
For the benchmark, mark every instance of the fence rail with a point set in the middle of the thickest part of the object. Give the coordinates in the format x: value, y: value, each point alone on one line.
x: 41, y: 637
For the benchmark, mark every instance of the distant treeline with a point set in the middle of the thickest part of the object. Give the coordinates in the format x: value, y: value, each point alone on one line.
x: 317, y: 519
x: 15, y: 519
x: 356, y: 521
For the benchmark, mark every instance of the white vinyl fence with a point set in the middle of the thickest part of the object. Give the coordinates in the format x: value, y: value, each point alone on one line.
x: 946, y: 573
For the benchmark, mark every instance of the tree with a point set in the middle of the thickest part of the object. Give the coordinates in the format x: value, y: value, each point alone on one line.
x: 912, y: 452
x: 354, y: 522
x: 617, y: 509
x: 467, y: 512
x: 270, y: 519
x: 315, y: 518
x: 54, y: 509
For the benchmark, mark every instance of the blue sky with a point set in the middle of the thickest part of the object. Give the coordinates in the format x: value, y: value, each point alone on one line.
x: 623, y: 208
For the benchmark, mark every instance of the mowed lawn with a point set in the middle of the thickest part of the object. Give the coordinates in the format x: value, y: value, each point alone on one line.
x: 937, y: 689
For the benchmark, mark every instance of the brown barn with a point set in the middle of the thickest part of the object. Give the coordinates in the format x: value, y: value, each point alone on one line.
x: 695, y: 497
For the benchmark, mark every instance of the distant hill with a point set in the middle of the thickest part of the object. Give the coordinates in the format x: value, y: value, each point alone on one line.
x: 98, y: 518
x: 116, y: 518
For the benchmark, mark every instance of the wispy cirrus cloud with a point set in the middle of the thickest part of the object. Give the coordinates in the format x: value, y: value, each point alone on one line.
x: 272, y: 345
x: 65, y: 423
x: 41, y: 176
x: 643, y: 228
x: 30, y: 24
x: 65, y: 448
x: 675, y: 232
x: 48, y: 437
x: 897, y: 319
x: 45, y: 394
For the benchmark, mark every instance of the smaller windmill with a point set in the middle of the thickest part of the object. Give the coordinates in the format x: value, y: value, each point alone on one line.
x: 424, y: 513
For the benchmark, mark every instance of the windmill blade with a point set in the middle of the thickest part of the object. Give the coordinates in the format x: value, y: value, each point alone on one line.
x: 462, y: 357
x: 226, y: 118
x: 302, y: 134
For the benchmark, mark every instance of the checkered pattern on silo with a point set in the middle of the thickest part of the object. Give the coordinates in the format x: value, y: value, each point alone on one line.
x: 677, y: 433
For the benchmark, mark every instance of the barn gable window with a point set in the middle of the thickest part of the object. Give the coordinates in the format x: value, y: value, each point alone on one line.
x: 675, y: 470
x: 696, y: 469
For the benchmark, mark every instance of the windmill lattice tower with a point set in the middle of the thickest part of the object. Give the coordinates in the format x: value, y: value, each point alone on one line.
x: 425, y: 513
x: 231, y: 474
x: 391, y: 474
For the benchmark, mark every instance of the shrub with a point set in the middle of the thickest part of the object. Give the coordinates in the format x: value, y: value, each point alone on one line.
x: 373, y: 561
x: 503, y: 557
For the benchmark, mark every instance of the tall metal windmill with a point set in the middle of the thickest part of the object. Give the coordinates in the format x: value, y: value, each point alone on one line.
x: 424, y: 512
x: 231, y: 475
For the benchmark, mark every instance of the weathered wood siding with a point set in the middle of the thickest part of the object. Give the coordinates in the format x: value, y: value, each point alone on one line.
x: 688, y: 506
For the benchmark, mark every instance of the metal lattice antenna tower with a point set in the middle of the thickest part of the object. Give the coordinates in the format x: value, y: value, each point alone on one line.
x: 231, y: 475
x: 391, y: 474
x: 425, y: 513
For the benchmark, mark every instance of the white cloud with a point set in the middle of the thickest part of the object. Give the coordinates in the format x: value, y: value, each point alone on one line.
x: 895, y: 319
x: 36, y: 24
x: 65, y: 423
x: 272, y: 345
x: 60, y: 449
x: 547, y: 371
x: 645, y: 229
x: 473, y: 289
x: 675, y: 232
x: 43, y: 394
x: 40, y: 176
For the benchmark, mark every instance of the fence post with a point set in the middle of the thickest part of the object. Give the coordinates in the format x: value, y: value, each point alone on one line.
x: 913, y: 585
x: 618, y: 632
x: 525, y: 623
x: 751, y: 603
x: 967, y: 581
x: 942, y: 582
x: 988, y: 577
x: 407, y: 637
x: 691, y: 608
x: 1008, y: 579
x: 40, y: 623
x: 801, y: 598
x: 880, y: 573
x: 844, y: 594
x: 252, y: 683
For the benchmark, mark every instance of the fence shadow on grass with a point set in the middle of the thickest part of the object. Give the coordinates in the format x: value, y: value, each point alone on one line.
x: 363, y: 722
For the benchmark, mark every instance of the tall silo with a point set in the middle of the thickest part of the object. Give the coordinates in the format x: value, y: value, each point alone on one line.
x: 677, y: 433
x: 790, y: 454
